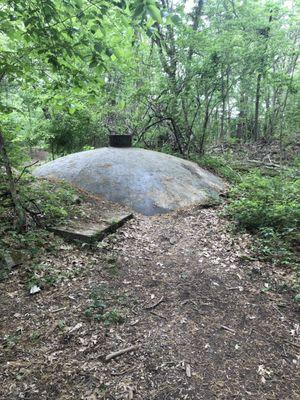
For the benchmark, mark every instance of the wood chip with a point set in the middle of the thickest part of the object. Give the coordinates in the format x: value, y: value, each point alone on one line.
x: 188, y: 370
x: 75, y: 328
x: 130, y: 393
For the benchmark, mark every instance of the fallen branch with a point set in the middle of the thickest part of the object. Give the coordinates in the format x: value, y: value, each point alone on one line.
x: 120, y: 352
x: 155, y: 304
x: 258, y: 163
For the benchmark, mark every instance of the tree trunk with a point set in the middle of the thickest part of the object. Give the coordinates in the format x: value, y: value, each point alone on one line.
x: 20, y: 213
x: 240, y: 129
x: 204, y: 130
x: 223, y: 112
x: 255, y: 131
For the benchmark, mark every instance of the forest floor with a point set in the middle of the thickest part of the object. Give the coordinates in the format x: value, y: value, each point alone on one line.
x: 207, y: 319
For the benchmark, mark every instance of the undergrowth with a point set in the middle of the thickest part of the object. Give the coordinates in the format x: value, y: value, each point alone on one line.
x: 222, y: 166
x: 45, y: 203
x: 269, y: 207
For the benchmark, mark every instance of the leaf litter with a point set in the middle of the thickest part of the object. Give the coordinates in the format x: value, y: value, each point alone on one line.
x: 195, y: 321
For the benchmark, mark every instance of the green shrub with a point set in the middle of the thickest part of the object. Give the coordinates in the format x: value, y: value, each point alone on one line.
x: 53, y: 201
x: 267, y: 202
x: 45, y: 203
x: 220, y: 166
x: 270, y: 207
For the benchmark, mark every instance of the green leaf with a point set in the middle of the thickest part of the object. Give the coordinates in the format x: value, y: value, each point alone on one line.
x: 79, y: 3
x: 138, y: 11
x: 155, y: 13
x: 98, y: 47
x: 176, y: 19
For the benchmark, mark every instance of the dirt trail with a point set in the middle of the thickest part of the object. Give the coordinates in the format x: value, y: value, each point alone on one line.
x: 192, y: 300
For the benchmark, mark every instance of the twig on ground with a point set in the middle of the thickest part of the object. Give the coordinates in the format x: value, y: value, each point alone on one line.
x: 130, y: 393
x: 126, y: 371
x: 279, y: 312
x: 240, y: 288
x: 158, y: 315
x: 59, y: 309
x: 226, y: 328
x: 155, y: 304
x: 120, y: 352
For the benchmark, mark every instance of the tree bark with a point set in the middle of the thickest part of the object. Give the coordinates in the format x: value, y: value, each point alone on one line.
x: 20, y: 212
x: 255, y: 131
x: 223, y: 112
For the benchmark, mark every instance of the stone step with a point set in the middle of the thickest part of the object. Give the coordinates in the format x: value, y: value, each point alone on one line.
x: 89, y: 232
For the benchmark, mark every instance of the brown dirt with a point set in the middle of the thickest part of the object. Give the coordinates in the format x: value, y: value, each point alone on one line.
x: 209, y: 320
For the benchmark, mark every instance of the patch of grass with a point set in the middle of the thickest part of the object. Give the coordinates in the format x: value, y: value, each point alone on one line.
x: 44, y: 276
x: 5, y: 268
x: 260, y: 202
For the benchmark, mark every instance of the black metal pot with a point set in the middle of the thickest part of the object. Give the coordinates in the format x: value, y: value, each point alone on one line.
x: 120, y: 140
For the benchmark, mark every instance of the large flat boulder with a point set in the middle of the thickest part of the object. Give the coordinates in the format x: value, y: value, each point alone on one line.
x: 147, y: 181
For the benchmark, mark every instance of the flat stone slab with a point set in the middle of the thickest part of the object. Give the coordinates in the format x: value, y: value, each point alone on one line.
x: 89, y: 232
x: 146, y: 181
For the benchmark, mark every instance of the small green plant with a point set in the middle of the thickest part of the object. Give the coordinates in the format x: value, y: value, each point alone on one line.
x: 111, y: 265
x: 44, y: 276
x: 61, y: 324
x: 34, y: 336
x: 112, y: 317
x: 98, y: 309
x: 11, y: 340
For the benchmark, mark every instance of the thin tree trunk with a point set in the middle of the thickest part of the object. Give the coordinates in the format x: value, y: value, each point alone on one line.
x: 240, y: 129
x: 21, y: 216
x: 223, y: 113
x: 255, y: 132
